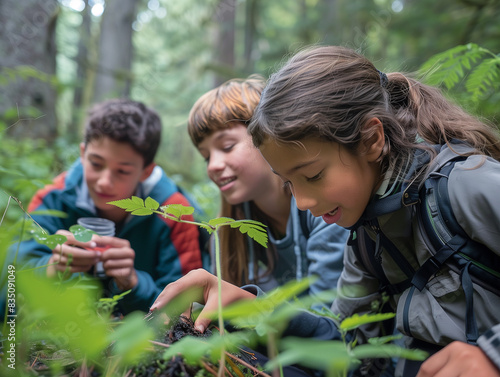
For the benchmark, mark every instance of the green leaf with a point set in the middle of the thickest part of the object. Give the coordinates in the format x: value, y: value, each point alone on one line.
x: 271, y: 311
x: 123, y: 203
x: 68, y: 313
x: 253, y: 222
x: 258, y: 236
x: 177, y: 210
x: 81, y: 234
x: 221, y: 221
x: 152, y: 204
x: 368, y: 351
x: 50, y: 212
x: 139, y: 202
x: 384, y: 339
x: 230, y: 342
x: 357, y: 320
x: 142, y: 212
x: 318, y: 354
x: 243, y: 228
x: 121, y: 295
x: 448, y: 67
x: 484, y: 77
x: 132, y: 338
x: 254, y: 229
x: 51, y: 241
x: 193, y: 349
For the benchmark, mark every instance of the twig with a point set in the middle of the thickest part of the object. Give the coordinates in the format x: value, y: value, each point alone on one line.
x: 209, y: 368
x: 248, y: 365
x: 34, y: 361
x: 83, y: 369
x: 160, y: 344
x: 234, y: 366
x: 227, y: 371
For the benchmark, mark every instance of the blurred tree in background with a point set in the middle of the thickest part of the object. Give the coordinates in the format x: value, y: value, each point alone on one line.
x: 59, y: 57
x: 28, y: 67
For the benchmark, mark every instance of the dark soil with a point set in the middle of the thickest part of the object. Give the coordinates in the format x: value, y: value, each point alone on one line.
x: 175, y: 367
x: 41, y: 355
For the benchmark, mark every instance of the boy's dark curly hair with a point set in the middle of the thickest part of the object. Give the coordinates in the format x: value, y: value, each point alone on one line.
x: 125, y: 121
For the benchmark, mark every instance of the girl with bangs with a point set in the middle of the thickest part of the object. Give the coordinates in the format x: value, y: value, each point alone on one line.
x: 300, y: 244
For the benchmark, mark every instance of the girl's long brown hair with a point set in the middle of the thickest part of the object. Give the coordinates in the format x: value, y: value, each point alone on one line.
x: 331, y: 92
x: 223, y: 107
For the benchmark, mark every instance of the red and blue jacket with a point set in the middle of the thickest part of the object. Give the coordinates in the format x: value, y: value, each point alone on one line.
x: 164, y: 249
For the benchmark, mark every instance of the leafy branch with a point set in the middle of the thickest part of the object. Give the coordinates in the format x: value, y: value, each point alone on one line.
x: 254, y: 229
x: 140, y: 207
x: 451, y: 66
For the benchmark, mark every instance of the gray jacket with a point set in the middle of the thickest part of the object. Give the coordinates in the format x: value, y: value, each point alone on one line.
x: 437, y: 313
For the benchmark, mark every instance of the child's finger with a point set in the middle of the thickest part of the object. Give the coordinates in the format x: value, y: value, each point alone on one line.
x: 110, y: 241
x: 113, y: 264
x: 77, y: 255
x: 202, y: 322
x: 117, y: 253
x: 190, y: 282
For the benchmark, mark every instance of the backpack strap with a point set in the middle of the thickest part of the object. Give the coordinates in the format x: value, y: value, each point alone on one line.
x: 440, y: 225
x: 444, y: 231
x: 366, y: 251
x: 454, y: 247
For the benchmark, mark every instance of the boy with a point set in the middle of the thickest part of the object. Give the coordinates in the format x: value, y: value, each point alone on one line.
x: 120, y: 142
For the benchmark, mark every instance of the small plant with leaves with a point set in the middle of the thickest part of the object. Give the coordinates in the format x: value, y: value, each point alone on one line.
x: 254, y: 229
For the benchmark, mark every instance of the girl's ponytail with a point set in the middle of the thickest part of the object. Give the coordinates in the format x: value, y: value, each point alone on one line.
x: 438, y: 120
x: 332, y: 93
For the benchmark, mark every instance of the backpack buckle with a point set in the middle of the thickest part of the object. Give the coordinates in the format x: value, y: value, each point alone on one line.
x: 410, y: 197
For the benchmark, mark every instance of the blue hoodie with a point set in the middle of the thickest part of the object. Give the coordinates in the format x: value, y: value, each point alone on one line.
x: 310, y: 248
x: 164, y: 249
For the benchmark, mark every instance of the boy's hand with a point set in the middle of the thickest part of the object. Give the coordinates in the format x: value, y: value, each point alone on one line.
x: 459, y: 359
x: 72, y: 256
x: 207, y: 294
x: 118, y: 261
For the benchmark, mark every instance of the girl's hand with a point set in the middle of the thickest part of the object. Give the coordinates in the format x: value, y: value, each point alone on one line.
x: 204, y: 284
x: 118, y: 260
x: 459, y: 359
x: 72, y: 256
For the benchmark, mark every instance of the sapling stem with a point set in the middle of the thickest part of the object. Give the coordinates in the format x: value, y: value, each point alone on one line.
x: 218, y: 272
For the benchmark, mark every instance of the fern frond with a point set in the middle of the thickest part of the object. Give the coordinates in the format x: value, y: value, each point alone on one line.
x: 447, y: 68
x: 484, y: 77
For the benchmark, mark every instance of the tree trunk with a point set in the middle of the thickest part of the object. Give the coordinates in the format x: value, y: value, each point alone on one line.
x: 114, y: 74
x: 329, y: 24
x: 225, y: 15
x: 251, y: 12
x: 83, y: 80
x: 28, y: 65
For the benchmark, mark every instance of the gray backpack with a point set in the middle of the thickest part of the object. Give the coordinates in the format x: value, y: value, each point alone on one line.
x: 452, y: 247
